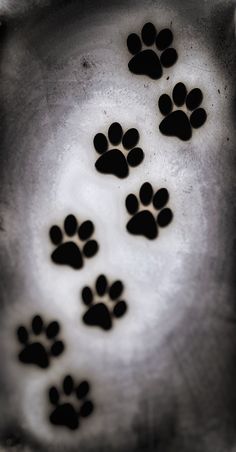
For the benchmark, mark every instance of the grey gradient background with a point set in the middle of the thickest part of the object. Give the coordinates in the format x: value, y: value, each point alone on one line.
x: 164, y: 378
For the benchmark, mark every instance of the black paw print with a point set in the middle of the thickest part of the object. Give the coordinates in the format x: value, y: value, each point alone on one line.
x: 71, y: 404
x: 98, y: 314
x: 177, y: 123
x: 68, y: 252
x: 113, y: 161
x: 143, y: 222
x: 147, y: 62
x: 39, y: 352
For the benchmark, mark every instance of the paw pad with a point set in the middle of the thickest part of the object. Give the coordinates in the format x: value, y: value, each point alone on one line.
x: 68, y: 252
x: 40, y: 342
x: 144, y: 222
x: 115, y: 161
x: 70, y: 404
x: 104, y: 304
x: 147, y: 62
x: 177, y: 123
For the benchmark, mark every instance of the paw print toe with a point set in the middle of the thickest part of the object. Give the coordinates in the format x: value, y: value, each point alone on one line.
x: 87, y: 295
x: 116, y: 161
x: 177, y: 123
x: 82, y: 390
x: 37, y: 325
x: 165, y: 104
x: 135, y: 157
x: 148, y: 34
x: 116, y: 290
x: 179, y: 94
x: 146, y: 193
x: 143, y: 222
x: 101, y: 285
x: 57, y: 348
x: 198, y: 118
x: 194, y: 99
x: 134, y: 43
x: 104, y: 304
x: 130, y: 138
x: 120, y: 309
x: 90, y: 248
x: 53, y: 395
x: 160, y: 198
x: 70, y: 225
x: 86, y: 230
x: 68, y: 385
x: 168, y: 58
x: 164, y: 217
x: 164, y: 39
x: 100, y: 143
x: 115, y: 133
x: 86, y: 409
x: 132, y: 204
x: 55, y: 235
x: 52, y: 329
x: 22, y: 335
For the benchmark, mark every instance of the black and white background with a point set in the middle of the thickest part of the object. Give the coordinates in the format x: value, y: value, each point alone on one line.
x: 164, y: 378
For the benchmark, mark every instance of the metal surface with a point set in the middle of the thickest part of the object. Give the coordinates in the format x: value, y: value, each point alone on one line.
x: 164, y: 378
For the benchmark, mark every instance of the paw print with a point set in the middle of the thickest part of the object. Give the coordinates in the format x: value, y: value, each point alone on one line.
x: 143, y: 222
x: 70, y: 404
x: 39, y: 352
x: 147, y: 62
x: 177, y: 123
x: 98, y: 313
x: 68, y: 252
x: 113, y: 161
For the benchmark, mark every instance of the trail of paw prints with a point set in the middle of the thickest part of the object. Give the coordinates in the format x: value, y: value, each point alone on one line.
x: 40, y: 342
x: 70, y: 403
x: 144, y: 221
x: 115, y: 161
x: 67, y: 251
x: 104, y: 303
x: 147, y: 62
x: 177, y: 123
